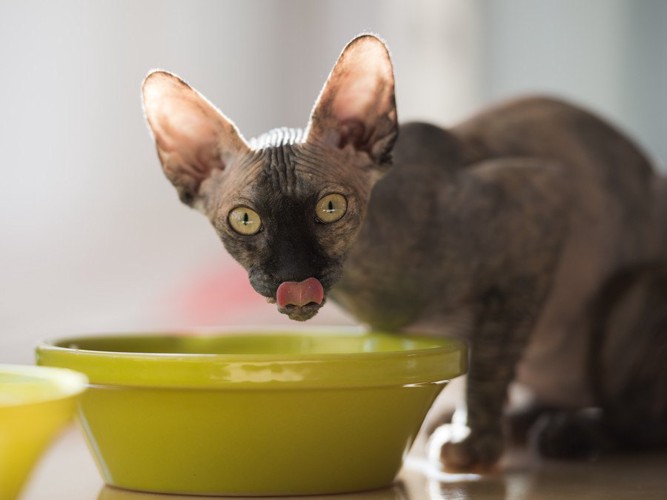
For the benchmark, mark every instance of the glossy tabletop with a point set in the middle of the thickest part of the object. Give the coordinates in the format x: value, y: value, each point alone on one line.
x: 67, y: 472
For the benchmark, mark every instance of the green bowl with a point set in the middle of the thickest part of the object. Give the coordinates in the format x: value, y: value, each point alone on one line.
x: 35, y: 403
x: 255, y: 413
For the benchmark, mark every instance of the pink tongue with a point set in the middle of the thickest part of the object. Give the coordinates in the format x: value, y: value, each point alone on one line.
x: 300, y: 294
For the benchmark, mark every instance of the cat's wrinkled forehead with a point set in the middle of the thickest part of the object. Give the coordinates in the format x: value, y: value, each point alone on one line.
x: 278, y: 159
x: 283, y: 162
x: 269, y: 162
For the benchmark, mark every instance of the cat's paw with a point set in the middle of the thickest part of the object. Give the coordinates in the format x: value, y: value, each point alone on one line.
x: 476, y: 452
x: 570, y: 435
x: 461, y: 450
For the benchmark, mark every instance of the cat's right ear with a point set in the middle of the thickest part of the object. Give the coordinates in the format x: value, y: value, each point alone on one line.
x: 193, y: 138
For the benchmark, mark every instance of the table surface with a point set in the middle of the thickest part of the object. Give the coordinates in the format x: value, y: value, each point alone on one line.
x: 67, y: 472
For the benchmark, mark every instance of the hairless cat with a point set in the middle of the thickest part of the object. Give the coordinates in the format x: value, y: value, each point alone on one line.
x: 534, y: 230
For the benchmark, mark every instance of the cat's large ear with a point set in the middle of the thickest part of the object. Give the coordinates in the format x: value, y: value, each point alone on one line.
x: 356, y: 106
x: 193, y: 138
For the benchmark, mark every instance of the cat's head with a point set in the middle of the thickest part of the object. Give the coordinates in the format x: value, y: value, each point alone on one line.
x: 288, y: 205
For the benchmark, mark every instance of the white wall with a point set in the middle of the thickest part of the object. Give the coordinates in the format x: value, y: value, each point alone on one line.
x: 608, y: 55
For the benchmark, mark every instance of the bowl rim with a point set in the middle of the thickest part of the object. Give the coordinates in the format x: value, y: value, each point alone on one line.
x: 428, y: 360
x: 65, y: 383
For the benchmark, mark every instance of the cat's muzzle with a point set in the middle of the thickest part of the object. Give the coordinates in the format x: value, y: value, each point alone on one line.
x: 302, y: 313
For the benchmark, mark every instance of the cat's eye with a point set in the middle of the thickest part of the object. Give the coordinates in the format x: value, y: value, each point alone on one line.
x: 245, y: 221
x: 331, y: 208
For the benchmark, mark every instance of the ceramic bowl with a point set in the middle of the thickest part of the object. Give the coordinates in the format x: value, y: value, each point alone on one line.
x: 255, y: 413
x: 35, y: 403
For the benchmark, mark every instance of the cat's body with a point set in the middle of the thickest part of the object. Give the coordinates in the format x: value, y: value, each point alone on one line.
x: 578, y: 192
x: 506, y: 230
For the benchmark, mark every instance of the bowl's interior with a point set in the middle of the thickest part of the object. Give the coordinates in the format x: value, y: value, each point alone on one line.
x: 20, y: 385
x: 316, y: 358
x: 255, y: 343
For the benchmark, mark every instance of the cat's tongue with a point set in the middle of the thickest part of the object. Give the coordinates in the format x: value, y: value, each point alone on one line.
x: 300, y: 294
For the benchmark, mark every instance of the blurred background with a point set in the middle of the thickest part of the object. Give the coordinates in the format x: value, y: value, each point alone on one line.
x: 92, y: 236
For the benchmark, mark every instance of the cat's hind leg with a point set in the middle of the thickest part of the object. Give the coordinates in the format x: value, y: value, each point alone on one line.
x: 628, y: 357
x: 627, y: 370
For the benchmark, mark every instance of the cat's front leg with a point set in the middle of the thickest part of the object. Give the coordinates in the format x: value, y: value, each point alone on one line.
x: 497, y: 342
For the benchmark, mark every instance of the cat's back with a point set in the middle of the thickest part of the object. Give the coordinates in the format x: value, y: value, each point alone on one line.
x: 596, y: 154
x: 537, y: 127
x: 608, y: 176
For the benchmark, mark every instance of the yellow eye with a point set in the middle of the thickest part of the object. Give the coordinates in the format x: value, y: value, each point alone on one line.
x: 245, y: 221
x: 331, y: 208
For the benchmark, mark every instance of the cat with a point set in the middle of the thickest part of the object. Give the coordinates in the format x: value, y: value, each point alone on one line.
x: 517, y: 230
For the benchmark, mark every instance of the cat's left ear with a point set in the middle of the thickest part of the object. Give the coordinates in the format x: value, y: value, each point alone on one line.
x: 357, y: 107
